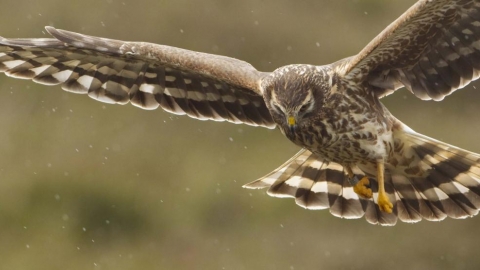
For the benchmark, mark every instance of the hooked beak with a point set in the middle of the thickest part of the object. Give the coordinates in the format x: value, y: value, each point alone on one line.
x: 292, y: 123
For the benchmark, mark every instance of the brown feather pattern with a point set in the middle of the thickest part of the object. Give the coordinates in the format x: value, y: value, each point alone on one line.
x: 106, y: 75
x: 432, y: 50
x: 333, y: 111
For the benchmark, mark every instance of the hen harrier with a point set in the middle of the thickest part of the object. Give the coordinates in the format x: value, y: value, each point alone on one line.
x: 357, y: 159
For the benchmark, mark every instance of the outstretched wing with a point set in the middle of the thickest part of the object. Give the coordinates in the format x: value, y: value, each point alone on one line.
x: 433, y: 49
x: 203, y: 86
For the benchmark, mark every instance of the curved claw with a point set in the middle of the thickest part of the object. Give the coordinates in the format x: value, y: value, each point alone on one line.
x: 362, y: 189
x: 384, y: 203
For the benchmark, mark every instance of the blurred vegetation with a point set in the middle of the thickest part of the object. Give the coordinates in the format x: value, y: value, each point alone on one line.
x: 86, y: 185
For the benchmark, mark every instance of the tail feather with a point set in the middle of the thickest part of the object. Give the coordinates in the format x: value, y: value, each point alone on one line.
x: 433, y: 181
x: 409, y: 202
x: 373, y: 214
x: 448, y: 179
x: 285, y: 169
x: 453, y: 173
x: 304, y: 195
x: 289, y: 186
x: 319, y: 185
x: 431, y: 196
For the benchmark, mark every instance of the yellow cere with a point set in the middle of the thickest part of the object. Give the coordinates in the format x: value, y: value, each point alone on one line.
x: 291, y: 120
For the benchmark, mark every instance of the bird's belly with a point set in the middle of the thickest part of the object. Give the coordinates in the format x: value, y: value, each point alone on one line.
x: 367, y: 145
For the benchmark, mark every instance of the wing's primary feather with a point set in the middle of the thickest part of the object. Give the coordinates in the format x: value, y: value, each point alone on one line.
x: 433, y: 49
x: 203, y: 86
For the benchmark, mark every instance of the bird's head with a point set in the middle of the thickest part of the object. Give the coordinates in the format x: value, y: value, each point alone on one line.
x: 296, y: 93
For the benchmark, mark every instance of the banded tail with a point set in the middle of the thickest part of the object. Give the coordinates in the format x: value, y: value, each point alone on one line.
x: 439, y: 181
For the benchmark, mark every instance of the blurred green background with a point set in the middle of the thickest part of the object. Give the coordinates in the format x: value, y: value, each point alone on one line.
x: 86, y: 185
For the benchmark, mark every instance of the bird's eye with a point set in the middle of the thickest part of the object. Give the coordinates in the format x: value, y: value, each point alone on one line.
x: 304, y: 108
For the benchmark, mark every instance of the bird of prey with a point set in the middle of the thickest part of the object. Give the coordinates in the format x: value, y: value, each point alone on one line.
x: 357, y: 159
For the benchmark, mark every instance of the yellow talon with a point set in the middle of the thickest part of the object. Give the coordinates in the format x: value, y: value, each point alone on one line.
x: 361, y: 188
x: 384, y: 203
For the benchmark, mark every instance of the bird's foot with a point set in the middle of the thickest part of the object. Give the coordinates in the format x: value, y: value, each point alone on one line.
x: 362, y: 188
x: 384, y: 203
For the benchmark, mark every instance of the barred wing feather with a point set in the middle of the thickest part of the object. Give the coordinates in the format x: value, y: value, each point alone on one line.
x: 202, y: 86
x: 433, y: 49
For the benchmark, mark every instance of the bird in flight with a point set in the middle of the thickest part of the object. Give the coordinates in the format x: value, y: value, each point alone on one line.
x: 357, y: 159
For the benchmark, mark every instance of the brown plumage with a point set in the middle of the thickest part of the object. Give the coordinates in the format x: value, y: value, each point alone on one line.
x: 333, y: 112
